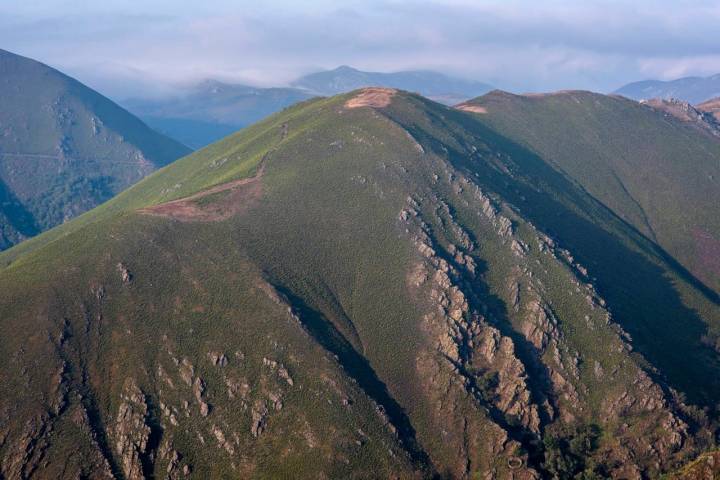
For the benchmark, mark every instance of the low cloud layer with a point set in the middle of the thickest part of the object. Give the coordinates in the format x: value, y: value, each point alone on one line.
x: 154, y: 46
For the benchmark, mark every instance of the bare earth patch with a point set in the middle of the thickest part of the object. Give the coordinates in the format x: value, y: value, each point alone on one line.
x: 470, y: 107
x: 377, y: 97
x: 217, y: 203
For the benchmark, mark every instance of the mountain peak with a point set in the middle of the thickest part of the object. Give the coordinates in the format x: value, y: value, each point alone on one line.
x: 345, y: 69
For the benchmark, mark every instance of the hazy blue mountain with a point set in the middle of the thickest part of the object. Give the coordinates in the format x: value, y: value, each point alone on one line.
x: 64, y: 148
x: 434, y: 85
x: 690, y: 89
x: 212, y: 110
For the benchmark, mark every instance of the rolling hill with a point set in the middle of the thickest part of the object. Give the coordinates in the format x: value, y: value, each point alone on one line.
x: 64, y: 148
x: 372, y: 285
x: 657, y: 171
x: 690, y: 89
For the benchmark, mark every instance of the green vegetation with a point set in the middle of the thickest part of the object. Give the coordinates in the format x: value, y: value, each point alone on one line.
x: 403, y: 295
x: 652, y: 170
x: 567, y: 453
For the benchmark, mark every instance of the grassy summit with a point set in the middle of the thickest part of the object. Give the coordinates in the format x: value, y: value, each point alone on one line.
x: 371, y: 285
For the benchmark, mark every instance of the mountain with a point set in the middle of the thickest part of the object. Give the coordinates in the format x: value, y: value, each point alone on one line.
x: 691, y: 89
x: 712, y: 107
x: 656, y: 171
x: 436, y: 86
x: 212, y: 110
x: 64, y: 148
x: 372, y: 285
x: 701, y: 117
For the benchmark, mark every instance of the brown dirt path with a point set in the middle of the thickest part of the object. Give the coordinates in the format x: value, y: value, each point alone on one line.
x: 232, y: 198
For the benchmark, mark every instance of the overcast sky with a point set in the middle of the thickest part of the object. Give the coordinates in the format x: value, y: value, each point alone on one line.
x: 135, y: 47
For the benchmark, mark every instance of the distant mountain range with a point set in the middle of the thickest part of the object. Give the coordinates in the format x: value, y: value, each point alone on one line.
x: 213, y: 109
x: 690, y: 89
x: 64, y: 148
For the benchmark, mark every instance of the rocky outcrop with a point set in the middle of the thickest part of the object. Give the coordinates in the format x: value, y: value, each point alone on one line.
x: 259, y: 418
x: 131, y: 432
x: 218, y: 359
x: 125, y: 274
x: 198, y: 391
x: 280, y: 369
x: 700, y: 117
x: 478, y: 359
x: 481, y: 351
x: 705, y: 467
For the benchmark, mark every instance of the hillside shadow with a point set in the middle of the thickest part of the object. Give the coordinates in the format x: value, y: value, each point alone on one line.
x: 640, y: 293
x: 360, y: 370
x: 20, y: 217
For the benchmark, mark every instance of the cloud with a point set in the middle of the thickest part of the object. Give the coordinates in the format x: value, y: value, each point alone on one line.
x: 514, y: 44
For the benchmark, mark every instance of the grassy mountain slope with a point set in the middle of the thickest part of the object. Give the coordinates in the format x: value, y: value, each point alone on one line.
x: 689, y: 89
x: 367, y: 286
x: 64, y: 148
x: 656, y: 171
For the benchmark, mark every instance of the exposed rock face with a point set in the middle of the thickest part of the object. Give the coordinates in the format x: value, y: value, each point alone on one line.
x: 474, y: 357
x: 131, y: 432
x: 705, y: 467
x: 280, y: 369
x: 198, y: 391
x: 125, y: 274
x: 259, y: 417
x: 699, y: 117
x: 222, y: 441
x: 23, y: 459
x: 477, y: 355
x: 218, y: 359
x: 712, y: 107
x: 187, y: 371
